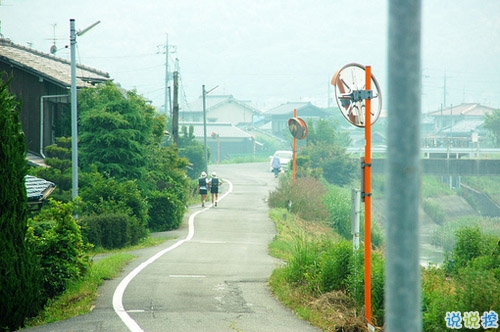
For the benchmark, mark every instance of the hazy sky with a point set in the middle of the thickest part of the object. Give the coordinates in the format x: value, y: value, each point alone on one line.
x: 265, y: 51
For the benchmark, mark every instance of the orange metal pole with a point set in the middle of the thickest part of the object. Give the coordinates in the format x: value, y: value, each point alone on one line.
x: 294, y: 160
x: 367, y: 189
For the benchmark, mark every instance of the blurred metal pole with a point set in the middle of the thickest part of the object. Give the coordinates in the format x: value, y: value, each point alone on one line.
x: 402, y: 282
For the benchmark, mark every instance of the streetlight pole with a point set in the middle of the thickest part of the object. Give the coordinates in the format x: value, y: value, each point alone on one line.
x: 204, y: 94
x: 74, y: 112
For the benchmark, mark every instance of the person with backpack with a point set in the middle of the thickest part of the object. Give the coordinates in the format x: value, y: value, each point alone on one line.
x: 214, y: 184
x: 203, y: 187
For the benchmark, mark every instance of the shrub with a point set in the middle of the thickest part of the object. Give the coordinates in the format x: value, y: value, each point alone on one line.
x: 306, y: 196
x: 61, y: 249
x: 470, y: 244
x: 165, y: 211
x: 108, y: 230
x: 106, y: 196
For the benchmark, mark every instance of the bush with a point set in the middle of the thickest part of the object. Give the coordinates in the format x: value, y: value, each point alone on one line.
x: 470, y: 244
x: 61, y: 249
x: 306, y: 196
x: 165, y: 211
x: 108, y: 230
x: 106, y: 196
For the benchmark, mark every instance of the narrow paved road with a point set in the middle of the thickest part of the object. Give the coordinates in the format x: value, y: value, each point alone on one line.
x: 212, y: 277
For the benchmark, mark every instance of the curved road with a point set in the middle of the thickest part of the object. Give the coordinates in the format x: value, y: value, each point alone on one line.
x: 212, y: 277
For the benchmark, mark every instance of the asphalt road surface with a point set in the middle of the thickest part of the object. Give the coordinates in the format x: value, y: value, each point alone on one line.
x: 212, y: 277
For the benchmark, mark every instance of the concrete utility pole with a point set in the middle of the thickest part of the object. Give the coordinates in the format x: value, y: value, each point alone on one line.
x: 74, y: 112
x: 166, y: 105
x: 402, y: 283
x: 175, y: 111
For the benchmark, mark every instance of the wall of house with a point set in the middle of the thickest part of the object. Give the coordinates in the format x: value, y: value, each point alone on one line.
x: 230, y: 112
x: 29, y: 88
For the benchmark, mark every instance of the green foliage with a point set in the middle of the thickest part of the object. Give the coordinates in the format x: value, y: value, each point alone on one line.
x: 107, y: 195
x: 108, y: 230
x: 337, y: 166
x: 192, y: 150
x: 355, y: 282
x: 116, y: 130
x: 19, y: 269
x: 338, y: 202
x: 59, y: 172
x: 434, y: 210
x: 304, y: 266
x: 60, y: 248
x: 492, y: 124
x: 337, y: 261
x: 433, y: 187
x: 471, y: 243
x: 166, y: 211
x: 306, y: 195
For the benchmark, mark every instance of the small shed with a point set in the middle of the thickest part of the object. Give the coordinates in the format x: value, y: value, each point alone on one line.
x: 38, y: 190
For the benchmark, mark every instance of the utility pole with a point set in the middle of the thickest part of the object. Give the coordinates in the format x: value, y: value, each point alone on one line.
x: 74, y: 112
x: 167, y: 108
x: 166, y: 105
x: 175, y: 111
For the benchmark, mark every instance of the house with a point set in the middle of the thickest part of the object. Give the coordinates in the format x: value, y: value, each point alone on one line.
x: 220, y: 108
x: 457, y: 126
x: 224, y: 140
x: 280, y: 115
x: 42, y: 82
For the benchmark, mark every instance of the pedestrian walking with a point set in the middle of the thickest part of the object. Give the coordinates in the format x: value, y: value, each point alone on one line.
x: 214, y: 184
x: 276, y: 165
x: 203, y: 187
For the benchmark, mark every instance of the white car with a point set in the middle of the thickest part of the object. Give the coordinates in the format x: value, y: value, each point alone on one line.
x: 284, y: 156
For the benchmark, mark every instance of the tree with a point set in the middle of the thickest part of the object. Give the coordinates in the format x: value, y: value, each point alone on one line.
x: 116, y: 130
x: 20, y: 280
x: 492, y: 123
x: 59, y: 172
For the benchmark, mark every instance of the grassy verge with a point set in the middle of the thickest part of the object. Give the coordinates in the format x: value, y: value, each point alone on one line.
x: 330, y: 311
x: 79, y: 297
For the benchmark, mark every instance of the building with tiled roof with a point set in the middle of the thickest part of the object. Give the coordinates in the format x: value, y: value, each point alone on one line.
x: 279, y: 116
x: 224, y: 140
x: 42, y: 82
x: 457, y: 126
x: 220, y: 108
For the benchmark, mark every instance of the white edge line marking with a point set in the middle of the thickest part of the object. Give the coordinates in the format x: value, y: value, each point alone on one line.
x: 120, y: 290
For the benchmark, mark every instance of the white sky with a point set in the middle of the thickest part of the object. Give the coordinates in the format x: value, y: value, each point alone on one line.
x: 265, y: 51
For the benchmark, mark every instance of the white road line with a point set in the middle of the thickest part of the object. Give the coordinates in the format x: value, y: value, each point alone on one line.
x: 120, y: 290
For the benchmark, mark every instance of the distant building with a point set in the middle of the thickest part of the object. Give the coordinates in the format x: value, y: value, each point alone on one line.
x: 220, y: 108
x: 43, y: 81
x: 224, y: 140
x: 279, y: 116
x: 456, y: 126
